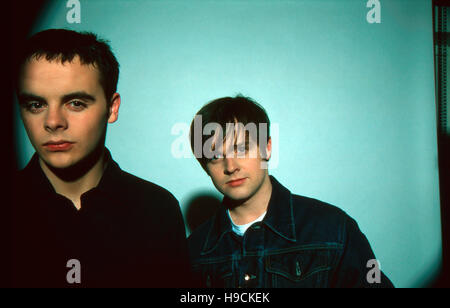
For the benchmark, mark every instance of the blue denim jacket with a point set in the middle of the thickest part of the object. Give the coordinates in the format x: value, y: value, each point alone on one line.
x: 301, y: 242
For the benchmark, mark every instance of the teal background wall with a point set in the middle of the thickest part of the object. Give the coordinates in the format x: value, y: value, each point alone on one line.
x: 354, y: 103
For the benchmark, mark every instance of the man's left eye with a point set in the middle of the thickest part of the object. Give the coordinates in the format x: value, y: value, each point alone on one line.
x: 77, y: 104
x: 241, y: 148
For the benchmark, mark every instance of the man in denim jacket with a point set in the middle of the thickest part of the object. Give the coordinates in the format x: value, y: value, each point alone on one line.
x: 263, y: 235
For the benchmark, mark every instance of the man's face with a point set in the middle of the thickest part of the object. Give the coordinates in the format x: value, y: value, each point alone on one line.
x: 64, y: 110
x: 238, y: 177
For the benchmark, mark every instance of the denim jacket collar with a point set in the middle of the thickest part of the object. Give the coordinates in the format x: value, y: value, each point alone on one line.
x: 279, y: 218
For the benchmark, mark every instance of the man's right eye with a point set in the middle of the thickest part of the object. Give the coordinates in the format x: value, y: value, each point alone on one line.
x: 216, y: 157
x: 34, y: 106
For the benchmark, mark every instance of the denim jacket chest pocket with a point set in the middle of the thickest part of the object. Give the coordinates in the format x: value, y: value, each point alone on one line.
x: 307, y: 267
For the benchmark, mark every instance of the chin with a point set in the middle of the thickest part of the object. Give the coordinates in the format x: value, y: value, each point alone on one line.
x: 237, y: 195
x: 59, y: 162
x: 59, y: 165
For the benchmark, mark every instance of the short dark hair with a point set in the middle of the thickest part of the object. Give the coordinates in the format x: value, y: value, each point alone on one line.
x: 64, y: 45
x: 225, y: 110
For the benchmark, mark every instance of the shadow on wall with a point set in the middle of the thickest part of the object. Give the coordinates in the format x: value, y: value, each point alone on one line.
x: 200, y: 208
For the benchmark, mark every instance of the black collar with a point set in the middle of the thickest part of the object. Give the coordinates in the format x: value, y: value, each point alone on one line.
x: 38, y: 184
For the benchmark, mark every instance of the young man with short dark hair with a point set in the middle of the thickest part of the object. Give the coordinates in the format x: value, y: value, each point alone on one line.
x: 263, y: 235
x: 79, y: 220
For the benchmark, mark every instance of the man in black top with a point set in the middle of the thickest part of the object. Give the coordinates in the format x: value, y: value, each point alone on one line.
x: 79, y: 220
x: 263, y: 235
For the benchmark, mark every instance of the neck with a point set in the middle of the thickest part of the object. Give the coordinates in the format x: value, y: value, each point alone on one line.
x: 243, y: 212
x: 72, y: 182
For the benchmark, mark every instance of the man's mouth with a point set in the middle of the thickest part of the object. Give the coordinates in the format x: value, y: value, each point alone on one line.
x: 58, y: 145
x: 237, y: 182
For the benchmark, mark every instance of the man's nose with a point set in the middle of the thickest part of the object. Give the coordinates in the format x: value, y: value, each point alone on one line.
x: 231, y: 165
x: 55, y: 119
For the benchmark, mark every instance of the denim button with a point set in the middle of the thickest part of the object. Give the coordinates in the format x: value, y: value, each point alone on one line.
x: 248, y: 277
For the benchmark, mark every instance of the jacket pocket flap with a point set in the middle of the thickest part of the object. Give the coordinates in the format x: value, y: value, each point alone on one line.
x: 298, y: 265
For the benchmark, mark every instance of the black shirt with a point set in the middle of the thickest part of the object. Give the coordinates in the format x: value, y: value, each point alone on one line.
x: 129, y: 232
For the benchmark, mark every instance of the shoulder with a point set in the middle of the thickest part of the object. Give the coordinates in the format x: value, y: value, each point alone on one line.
x: 197, y: 238
x: 20, y: 177
x: 145, y: 189
x: 317, y: 208
x: 325, y: 219
x: 202, y: 230
x: 146, y: 199
x: 307, y: 211
x: 28, y: 173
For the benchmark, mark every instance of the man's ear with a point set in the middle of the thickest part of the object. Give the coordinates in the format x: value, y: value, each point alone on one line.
x: 268, y: 149
x: 114, y: 108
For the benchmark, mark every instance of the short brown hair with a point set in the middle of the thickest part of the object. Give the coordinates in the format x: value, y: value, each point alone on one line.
x: 229, y: 110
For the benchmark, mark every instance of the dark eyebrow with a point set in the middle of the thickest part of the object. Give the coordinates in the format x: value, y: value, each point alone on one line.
x: 26, y: 97
x: 80, y: 95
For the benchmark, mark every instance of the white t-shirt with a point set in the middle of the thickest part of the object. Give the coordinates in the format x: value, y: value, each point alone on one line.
x: 240, y: 229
